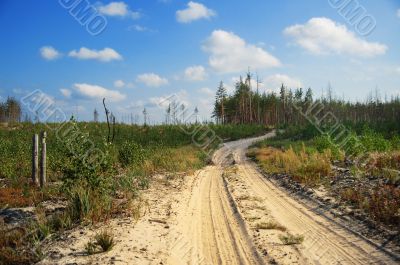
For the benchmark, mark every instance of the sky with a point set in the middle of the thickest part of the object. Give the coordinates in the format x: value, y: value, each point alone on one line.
x: 136, y: 53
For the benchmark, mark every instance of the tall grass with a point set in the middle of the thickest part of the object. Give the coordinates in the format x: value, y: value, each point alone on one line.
x: 307, y: 168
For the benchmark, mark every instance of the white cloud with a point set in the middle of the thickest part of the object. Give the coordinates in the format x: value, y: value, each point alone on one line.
x: 324, y: 36
x: 105, y: 55
x: 194, y: 11
x: 49, y: 53
x: 98, y: 92
x: 398, y: 13
x: 179, y: 98
x: 274, y: 82
x: 118, y: 9
x: 66, y: 92
x: 207, y: 92
x: 119, y: 83
x: 152, y: 80
x: 195, y: 73
x: 140, y: 28
x: 397, y: 70
x: 231, y: 54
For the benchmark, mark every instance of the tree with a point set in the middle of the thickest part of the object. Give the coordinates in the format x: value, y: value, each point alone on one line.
x: 95, y: 116
x: 144, y: 117
x: 220, y: 98
x: 196, y: 113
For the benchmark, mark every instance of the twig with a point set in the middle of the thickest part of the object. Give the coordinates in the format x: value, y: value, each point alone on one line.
x: 157, y: 221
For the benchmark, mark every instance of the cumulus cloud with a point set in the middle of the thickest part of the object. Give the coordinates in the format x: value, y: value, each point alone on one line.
x: 66, y: 92
x: 105, y: 55
x: 194, y: 11
x: 152, y: 80
x: 324, y: 36
x: 118, y: 9
x: 231, y: 54
x: 195, y: 73
x: 98, y: 92
x: 274, y: 82
x: 49, y: 53
x: 119, y: 83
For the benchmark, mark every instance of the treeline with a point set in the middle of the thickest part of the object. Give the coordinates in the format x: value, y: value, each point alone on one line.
x: 291, y: 107
x: 10, y: 110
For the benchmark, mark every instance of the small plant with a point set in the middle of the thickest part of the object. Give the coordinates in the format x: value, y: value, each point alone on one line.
x: 90, y: 247
x: 290, y: 239
x: 270, y: 225
x: 105, y: 240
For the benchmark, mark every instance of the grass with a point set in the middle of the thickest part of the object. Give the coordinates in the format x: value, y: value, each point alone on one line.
x: 309, y: 160
x: 105, y: 240
x: 102, y: 242
x: 98, y: 190
x: 270, y: 225
x: 290, y: 239
x: 306, y: 168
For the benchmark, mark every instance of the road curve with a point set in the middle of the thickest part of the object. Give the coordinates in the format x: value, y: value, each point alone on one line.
x: 213, y: 232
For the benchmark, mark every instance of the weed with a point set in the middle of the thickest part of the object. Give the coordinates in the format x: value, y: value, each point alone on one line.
x: 290, y: 239
x: 270, y: 225
x: 90, y: 248
x: 105, y: 240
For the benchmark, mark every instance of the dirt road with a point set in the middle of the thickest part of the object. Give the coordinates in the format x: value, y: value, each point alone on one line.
x: 227, y: 213
x: 215, y: 228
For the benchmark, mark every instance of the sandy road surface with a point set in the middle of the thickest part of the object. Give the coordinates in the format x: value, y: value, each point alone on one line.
x: 215, y: 233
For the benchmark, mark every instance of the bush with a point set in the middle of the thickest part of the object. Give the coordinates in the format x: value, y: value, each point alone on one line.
x: 86, y: 164
x: 324, y: 142
x: 131, y: 153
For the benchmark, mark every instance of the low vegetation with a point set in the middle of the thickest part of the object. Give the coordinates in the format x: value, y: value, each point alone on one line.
x: 312, y: 161
x: 270, y: 225
x: 290, y: 239
x: 102, y: 242
x: 93, y: 188
x: 306, y: 167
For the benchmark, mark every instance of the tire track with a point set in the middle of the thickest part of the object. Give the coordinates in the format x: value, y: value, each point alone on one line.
x: 325, y: 242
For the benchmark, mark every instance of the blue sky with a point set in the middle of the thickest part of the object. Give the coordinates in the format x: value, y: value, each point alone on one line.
x: 151, y: 49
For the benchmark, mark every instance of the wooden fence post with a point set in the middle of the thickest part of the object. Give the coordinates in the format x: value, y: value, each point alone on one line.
x: 43, y: 161
x: 35, y: 159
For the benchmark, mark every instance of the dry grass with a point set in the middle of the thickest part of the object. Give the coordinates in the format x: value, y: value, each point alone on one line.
x: 386, y: 165
x: 270, y: 225
x: 304, y: 167
x: 290, y: 239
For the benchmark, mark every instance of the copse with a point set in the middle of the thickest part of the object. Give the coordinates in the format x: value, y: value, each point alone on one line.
x: 246, y: 105
x: 10, y: 110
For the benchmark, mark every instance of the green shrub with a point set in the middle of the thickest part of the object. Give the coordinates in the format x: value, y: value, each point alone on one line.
x: 131, y: 153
